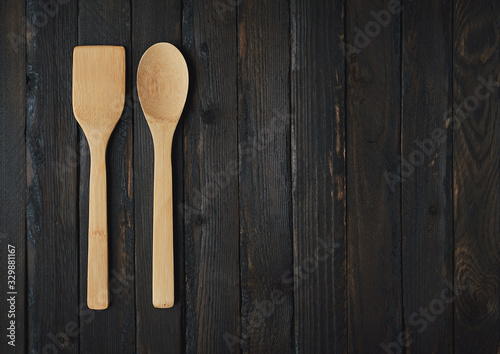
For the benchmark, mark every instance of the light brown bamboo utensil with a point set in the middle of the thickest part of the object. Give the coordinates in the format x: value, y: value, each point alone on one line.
x: 162, y: 85
x: 98, y: 101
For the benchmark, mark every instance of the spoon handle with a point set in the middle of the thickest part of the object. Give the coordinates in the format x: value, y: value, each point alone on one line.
x: 163, y: 244
x: 97, y: 278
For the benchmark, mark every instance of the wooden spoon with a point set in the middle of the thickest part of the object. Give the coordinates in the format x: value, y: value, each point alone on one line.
x: 98, y: 101
x: 162, y: 85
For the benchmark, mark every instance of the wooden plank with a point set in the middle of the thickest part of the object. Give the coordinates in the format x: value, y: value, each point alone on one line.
x: 112, y: 330
x: 265, y: 176
x: 211, y: 180
x: 152, y: 22
x: 373, y: 209
x: 13, y: 173
x: 52, y: 181
x: 427, y: 225
x: 318, y: 165
x: 476, y: 167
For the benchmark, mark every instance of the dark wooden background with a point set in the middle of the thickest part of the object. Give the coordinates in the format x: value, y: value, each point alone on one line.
x: 283, y: 149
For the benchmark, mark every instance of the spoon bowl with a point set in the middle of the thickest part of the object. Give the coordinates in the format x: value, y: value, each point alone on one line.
x: 162, y: 86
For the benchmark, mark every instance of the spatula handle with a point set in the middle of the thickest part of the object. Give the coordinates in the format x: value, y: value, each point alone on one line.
x: 97, y: 278
x: 163, y: 244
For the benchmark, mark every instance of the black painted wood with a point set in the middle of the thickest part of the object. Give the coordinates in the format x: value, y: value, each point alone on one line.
x: 427, y: 226
x: 54, y: 317
x: 113, y: 330
x: 318, y: 169
x: 157, y: 330
x: 300, y: 119
x: 13, y: 174
x: 211, y: 176
x: 265, y: 176
x: 373, y: 209
x: 476, y: 170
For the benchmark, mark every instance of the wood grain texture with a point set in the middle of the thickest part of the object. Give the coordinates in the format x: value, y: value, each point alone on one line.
x: 163, y: 233
x: 153, y: 22
x: 113, y: 330
x: 98, y: 99
x: 13, y: 168
x: 319, y: 181
x: 52, y: 181
x: 427, y: 225
x: 162, y: 86
x: 211, y: 180
x: 373, y: 210
x: 265, y: 176
x: 476, y: 167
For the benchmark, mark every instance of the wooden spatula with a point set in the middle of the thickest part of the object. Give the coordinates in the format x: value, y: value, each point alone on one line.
x: 162, y: 85
x: 98, y: 101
